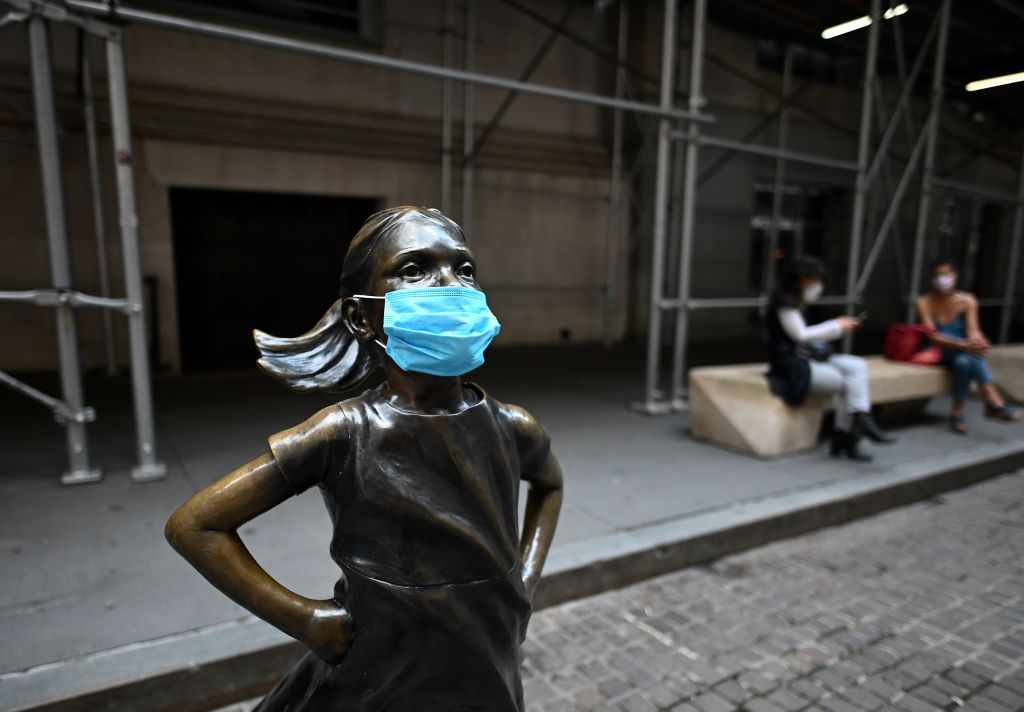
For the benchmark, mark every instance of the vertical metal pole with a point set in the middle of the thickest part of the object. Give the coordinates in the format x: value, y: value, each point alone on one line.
x: 1013, y: 263
x: 924, y: 205
x: 468, y: 121
x: 96, y: 193
x: 661, y: 179
x: 863, y: 157
x: 886, y: 184
x: 614, y: 185
x: 60, y: 261
x: 696, y: 101
x: 447, y: 52
x: 969, y: 267
x: 148, y: 468
x: 768, y: 280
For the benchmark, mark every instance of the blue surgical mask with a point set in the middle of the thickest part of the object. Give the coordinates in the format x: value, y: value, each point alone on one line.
x: 442, y: 331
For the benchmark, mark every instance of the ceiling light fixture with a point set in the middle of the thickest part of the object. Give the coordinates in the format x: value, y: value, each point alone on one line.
x: 862, y: 22
x: 995, y: 81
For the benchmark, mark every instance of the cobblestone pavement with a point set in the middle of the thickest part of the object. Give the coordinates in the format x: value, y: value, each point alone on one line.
x: 916, y: 609
x: 920, y: 608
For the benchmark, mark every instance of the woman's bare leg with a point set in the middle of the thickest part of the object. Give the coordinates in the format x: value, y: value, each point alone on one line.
x: 992, y: 395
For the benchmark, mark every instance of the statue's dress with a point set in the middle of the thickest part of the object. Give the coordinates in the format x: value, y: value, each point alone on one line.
x: 425, y: 520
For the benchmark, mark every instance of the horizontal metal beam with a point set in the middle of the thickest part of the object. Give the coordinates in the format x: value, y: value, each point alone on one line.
x: 264, y: 39
x: 738, y: 303
x: 962, y: 187
x: 68, y: 297
x: 61, y: 410
x: 762, y: 150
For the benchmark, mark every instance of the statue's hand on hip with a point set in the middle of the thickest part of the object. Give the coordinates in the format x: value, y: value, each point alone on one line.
x: 329, y: 632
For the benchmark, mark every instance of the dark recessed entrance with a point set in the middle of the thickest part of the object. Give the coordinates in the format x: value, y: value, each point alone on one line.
x: 246, y: 260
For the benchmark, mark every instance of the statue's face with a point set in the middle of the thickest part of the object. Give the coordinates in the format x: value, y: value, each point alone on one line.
x: 417, y: 255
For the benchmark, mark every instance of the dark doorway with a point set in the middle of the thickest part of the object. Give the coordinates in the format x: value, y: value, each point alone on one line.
x: 246, y: 260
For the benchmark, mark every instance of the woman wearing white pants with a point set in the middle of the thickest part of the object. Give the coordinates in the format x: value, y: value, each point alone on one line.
x: 800, y: 362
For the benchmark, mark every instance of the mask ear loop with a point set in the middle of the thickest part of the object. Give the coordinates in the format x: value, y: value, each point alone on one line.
x: 375, y: 339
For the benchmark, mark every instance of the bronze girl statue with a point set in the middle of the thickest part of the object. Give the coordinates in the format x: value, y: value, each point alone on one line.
x: 420, y: 476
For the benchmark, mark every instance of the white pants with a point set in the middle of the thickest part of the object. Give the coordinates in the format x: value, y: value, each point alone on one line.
x: 844, y: 376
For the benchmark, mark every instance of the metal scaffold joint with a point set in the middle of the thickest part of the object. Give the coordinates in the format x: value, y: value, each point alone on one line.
x: 23, y: 9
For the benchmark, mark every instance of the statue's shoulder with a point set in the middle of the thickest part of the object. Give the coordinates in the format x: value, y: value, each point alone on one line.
x: 531, y: 437
x: 520, y: 418
x: 515, y: 416
x: 332, y: 422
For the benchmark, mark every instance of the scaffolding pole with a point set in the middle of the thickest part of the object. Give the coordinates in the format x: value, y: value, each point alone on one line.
x: 782, y: 140
x: 148, y: 468
x: 896, y: 202
x: 863, y: 149
x: 96, y: 194
x: 468, y: 121
x: 447, y: 58
x: 615, y: 185
x: 663, y: 158
x: 78, y: 470
x: 901, y: 109
x: 924, y: 204
x: 1013, y: 263
x: 689, y: 208
x: 885, y: 183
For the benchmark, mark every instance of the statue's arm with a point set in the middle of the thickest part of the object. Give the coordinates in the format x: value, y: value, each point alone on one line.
x: 544, y: 498
x: 204, y: 530
x: 543, y: 503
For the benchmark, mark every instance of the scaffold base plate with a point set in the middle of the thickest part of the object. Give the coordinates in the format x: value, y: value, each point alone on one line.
x: 149, y: 473
x: 81, y: 477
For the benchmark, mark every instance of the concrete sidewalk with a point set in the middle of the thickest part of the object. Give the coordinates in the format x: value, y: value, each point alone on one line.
x: 86, y: 569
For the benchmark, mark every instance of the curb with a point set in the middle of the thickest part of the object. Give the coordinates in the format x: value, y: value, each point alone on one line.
x: 590, y: 567
x: 210, y: 667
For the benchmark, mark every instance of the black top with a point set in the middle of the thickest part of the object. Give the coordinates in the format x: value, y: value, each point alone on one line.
x: 789, y: 374
x: 426, y: 534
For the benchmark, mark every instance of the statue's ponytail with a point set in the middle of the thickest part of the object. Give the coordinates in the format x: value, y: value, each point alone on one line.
x: 327, y: 357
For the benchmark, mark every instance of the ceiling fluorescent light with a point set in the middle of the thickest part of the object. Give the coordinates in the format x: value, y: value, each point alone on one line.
x: 862, y: 22
x: 895, y: 11
x: 845, y: 27
x: 995, y: 81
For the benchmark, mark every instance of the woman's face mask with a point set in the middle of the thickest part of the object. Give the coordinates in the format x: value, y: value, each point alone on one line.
x: 442, y: 331
x: 944, y: 283
x: 812, y: 292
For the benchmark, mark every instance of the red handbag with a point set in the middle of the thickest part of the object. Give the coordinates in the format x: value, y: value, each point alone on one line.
x: 904, y: 341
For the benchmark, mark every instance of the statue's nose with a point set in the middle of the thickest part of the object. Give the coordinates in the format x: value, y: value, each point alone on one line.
x: 448, y: 278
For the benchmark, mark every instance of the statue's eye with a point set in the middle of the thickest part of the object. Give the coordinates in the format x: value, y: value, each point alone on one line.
x: 410, y: 271
x: 467, y: 270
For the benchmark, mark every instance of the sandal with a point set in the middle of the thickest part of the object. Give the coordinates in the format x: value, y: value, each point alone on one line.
x: 1004, y: 413
x: 958, y: 425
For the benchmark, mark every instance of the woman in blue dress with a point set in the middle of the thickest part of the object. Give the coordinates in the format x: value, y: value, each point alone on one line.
x: 951, y: 317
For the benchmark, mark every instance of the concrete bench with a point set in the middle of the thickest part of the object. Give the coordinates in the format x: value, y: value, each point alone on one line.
x: 732, y: 406
x: 1007, y: 363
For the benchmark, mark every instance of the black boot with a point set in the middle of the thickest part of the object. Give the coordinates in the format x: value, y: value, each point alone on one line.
x: 847, y: 444
x: 864, y: 424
